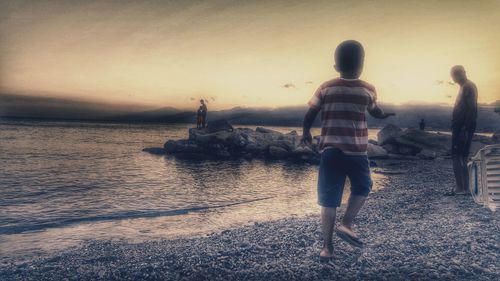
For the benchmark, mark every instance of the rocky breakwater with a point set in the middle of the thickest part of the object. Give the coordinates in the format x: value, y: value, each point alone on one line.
x: 422, y: 144
x: 221, y: 141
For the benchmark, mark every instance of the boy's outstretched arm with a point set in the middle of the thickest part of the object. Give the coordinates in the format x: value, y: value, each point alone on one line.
x: 308, y: 122
x: 378, y: 113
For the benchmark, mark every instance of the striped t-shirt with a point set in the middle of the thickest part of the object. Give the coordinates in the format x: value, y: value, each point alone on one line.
x: 343, y: 103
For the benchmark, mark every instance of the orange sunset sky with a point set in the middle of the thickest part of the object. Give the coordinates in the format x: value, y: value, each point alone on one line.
x: 243, y: 53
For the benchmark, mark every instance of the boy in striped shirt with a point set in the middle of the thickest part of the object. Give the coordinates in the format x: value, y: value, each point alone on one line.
x: 343, y: 143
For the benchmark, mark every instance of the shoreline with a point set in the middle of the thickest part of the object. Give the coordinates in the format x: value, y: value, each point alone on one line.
x: 411, y: 230
x: 446, y: 130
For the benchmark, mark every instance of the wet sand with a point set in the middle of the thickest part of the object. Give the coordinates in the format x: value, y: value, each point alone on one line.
x: 412, y: 232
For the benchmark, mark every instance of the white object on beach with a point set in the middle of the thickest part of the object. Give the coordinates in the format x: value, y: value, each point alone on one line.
x: 484, y: 176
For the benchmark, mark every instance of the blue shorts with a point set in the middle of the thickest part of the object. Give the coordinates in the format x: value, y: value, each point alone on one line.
x: 335, y: 165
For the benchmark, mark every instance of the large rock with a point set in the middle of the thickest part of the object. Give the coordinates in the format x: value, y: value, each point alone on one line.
x: 266, y: 131
x: 388, y: 134
x: 230, y: 138
x: 376, y: 151
x: 193, y: 156
x: 277, y: 152
x: 201, y: 136
x: 255, y: 149
x: 286, y: 144
x: 236, y: 139
x: 219, y: 125
x: 391, y: 148
x: 222, y: 153
x: 169, y: 146
x: 305, y: 153
x: 405, y: 149
x: 223, y: 136
x: 182, y: 146
x: 419, y: 140
x: 193, y: 133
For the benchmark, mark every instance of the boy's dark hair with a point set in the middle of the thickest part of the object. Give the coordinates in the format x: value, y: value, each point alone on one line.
x: 349, y: 56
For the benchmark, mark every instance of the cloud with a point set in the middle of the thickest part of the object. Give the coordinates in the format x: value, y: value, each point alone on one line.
x: 289, y: 85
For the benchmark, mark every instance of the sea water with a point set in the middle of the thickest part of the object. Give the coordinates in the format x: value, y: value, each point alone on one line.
x: 62, y: 183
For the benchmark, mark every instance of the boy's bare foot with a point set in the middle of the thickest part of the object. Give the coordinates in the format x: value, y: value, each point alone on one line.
x: 346, y: 234
x: 326, y: 254
x: 347, y: 229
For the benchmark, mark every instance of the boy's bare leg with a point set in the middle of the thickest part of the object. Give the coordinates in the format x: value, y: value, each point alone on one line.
x: 327, y: 224
x: 353, y: 206
x: 458, y: 171
x: 465, y: 175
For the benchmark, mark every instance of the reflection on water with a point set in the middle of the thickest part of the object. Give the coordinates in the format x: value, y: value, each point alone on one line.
x: 62, y: 183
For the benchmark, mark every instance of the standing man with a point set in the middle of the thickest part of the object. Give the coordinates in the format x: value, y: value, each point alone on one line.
x: 203, y: 113
x: 422, y: 124
x: 343, y: 143
x: 463, y: 126
x: 199, y: 117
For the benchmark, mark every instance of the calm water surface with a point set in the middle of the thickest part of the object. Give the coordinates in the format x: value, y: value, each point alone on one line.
x: 62, y: 183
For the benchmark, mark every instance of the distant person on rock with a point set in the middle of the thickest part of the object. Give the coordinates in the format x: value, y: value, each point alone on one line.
x: 204, y: 110
x: 422, y: 124
x: 343, y: 143
x: 463, y: 126
x: 199, y: 118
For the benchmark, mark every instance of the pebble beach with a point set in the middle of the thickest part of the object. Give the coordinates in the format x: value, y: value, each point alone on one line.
x: 411, y: 231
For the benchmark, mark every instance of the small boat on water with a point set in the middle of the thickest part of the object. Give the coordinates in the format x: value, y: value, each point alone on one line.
x: 484, y: 177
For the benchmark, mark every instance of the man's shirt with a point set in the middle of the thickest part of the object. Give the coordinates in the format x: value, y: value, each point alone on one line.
x: 343, y: 103
x: 204, y: 109
x: 465, y: 109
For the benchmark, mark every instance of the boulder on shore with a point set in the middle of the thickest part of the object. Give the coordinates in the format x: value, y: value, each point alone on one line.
x: 218, y: 125
x: 388, y: 134
x: 420, y: 140
x: 424, y: 144
x: 411, y: 142
x: 376, y: 151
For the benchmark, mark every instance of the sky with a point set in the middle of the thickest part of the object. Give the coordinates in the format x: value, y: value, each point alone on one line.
x: 243, y: 53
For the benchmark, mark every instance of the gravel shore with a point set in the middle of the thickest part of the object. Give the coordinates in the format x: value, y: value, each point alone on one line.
x: 412, y: 232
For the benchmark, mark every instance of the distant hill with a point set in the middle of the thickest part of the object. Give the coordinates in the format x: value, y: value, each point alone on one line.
x: 408, y: 115
x: 42, y: 107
